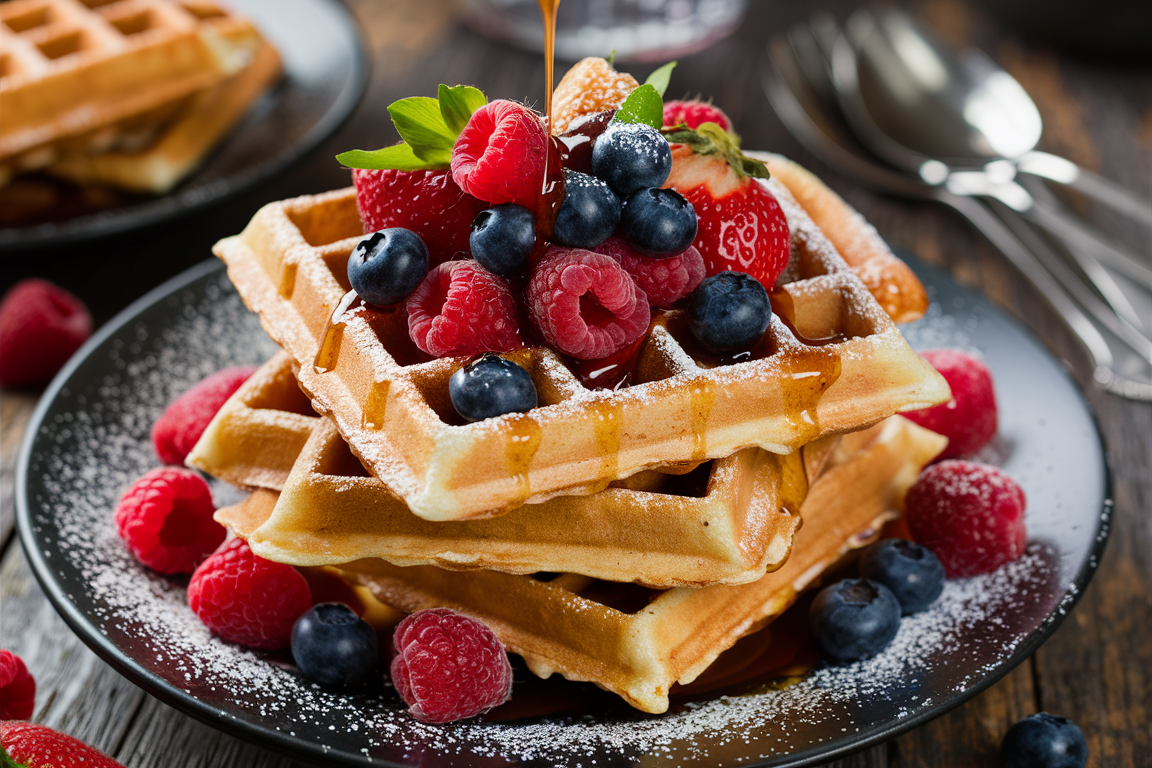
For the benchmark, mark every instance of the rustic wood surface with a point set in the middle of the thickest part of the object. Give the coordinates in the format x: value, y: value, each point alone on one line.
x: 1097, y: 667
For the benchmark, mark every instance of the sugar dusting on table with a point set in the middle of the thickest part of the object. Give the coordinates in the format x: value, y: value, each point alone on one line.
x: 93, y: 453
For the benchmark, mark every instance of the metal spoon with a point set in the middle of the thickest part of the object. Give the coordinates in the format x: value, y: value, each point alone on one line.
x: 962, y: 109
x: 863, y: 55
x: 797, y: 101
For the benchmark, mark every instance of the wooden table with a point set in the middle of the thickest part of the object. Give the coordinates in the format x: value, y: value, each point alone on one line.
x: 1097, y: 667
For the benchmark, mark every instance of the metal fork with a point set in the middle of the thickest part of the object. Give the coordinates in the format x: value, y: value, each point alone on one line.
x: 793, y: 81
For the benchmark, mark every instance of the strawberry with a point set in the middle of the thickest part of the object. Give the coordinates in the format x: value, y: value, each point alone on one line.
x: 37, y: 746
x: 741, y: 226
x: 694, y: 113
x: 591, y: 86
x: 428, y: 202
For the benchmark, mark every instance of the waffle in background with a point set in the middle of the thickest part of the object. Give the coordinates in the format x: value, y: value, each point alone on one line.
x: 151, y: 84
x: 638, y: 642
x: 831, y: 362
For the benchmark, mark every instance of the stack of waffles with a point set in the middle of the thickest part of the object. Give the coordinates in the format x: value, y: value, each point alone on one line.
x: 128, y: 93
x: 624, y: 537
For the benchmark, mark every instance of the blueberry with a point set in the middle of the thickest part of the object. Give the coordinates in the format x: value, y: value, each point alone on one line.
x: 729, y: 312
x: 912, y: 572
x: 659, y: 222
x: 1044, y: 741
x: 502, y: 238
x: 589, y: 213
x: 387, y: 265
x: 491, y: 386
x: 854, y: 619
x: 333, y: 646
x: 631, y: 157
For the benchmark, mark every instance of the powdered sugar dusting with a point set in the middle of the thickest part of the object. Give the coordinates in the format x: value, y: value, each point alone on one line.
x: 96, y: 443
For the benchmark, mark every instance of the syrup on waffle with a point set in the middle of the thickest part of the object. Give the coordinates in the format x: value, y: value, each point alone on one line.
x: 85, y: 74
x: 832, y: 361
x: 727, y: 521
x: 638, y: 642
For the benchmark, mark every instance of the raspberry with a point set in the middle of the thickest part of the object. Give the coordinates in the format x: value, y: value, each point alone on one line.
x: 41, y: 325
x: 968, y: 420
x: 427, y: 202
x: 37, y: 746
x: 246, y: 599
x: 17, y: 688
x: 664, y: 281
x: 165, y: 518
x: 970, y: 515
x: 178, y: 429
x: 693, y: 113
x: 449, y: 667
x: 461, y: 309
x: 590, y: 86
x: 499, y: 156
x: 585, y: 305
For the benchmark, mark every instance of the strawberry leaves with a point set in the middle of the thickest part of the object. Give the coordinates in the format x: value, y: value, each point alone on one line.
x: 646, y: 103
x: 428, y: 129
x: 711, y: 139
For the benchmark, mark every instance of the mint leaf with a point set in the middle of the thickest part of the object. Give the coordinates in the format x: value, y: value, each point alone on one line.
x: 457, y: 105
x: 643, y: 105
x: 661, y: 77
x: 420, y: 124
x: 398, y: 157
x: 612, y: 58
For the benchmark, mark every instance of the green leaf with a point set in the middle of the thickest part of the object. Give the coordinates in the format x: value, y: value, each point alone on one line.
x: 612, y: 58
x: 661, y: 77
x: 711, y: 139
x: 457, y: 105
x: 398, y: 157
x: 6, y: 760
x: 420, y: 124
x: 643, y: 105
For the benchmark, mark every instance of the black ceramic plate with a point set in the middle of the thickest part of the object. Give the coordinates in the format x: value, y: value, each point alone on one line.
x: 325, y: 73
x: 89, y: 439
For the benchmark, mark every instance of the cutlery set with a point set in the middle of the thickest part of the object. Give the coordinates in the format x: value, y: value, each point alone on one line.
x: 883, y: 101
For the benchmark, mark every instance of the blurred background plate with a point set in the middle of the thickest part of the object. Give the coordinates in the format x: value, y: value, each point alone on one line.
x: 325, y: 74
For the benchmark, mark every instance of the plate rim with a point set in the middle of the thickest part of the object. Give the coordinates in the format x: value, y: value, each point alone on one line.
x: 16, y: 240
x: 299, y: 747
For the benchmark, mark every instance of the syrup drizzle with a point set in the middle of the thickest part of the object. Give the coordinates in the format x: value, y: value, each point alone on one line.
x: 523, y: 440
x: 552, y: 184
x: 329, y: 351
x: 607, y: 426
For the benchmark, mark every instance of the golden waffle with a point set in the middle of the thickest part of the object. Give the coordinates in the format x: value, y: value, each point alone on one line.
x: 81, y: 74
x: 727, y: 522
x: 638, y: 642
x: 835, y: 363
x: 181, y: 145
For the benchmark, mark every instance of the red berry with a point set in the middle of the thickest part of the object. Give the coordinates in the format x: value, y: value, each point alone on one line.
x: 585, y: 305
x: 971, y: 515
x: 17, y: 688
x: 499, y: 156
x: 968, y: 420
x: 461, y: 309
x: 41, y: 325
x: 176, y: 431
x: 664, y: 281
x: 740, y: 224
x: 166, y: 520
x: 246, y: 599
x: 448, y: 667
x: 427, y: 202
x: 693, y: 113
x: 37, y: 746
